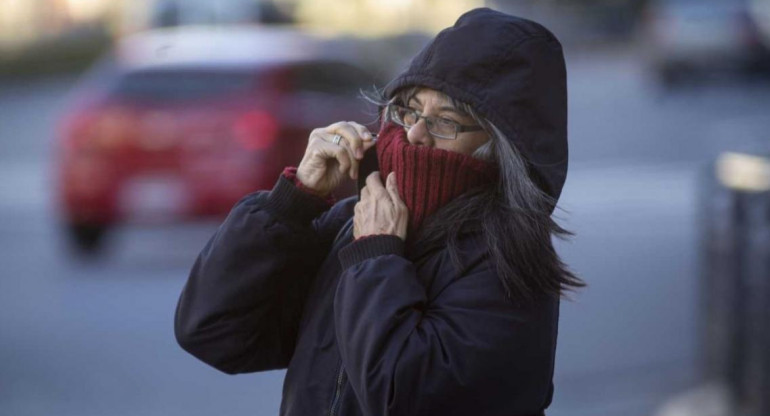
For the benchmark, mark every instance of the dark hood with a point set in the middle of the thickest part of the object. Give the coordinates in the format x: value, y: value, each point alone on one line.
x: 511, y: 70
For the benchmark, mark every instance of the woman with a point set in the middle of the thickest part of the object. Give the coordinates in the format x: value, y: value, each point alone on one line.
x: 438, y: 292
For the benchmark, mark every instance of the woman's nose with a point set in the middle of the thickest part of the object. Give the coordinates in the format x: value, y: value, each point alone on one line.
x: 418, y: 134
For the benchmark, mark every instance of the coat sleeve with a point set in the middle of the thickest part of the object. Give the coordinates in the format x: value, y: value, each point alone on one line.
x: 240, y: 308
x: 466, y: 350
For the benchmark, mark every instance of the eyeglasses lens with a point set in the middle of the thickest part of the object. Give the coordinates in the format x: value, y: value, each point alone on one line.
x: 436, y: 126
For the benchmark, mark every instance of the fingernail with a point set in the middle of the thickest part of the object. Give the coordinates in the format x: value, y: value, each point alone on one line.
x: 359, y: 153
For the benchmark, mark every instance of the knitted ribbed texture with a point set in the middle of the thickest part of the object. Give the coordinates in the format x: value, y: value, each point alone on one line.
x: 289, y: 202
x: 428, y: 178
x: 370, y: 247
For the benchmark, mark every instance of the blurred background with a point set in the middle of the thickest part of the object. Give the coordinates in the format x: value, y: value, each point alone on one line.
x: 129, y: 128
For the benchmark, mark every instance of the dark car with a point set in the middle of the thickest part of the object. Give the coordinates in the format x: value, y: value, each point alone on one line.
x: 181, y: 123
x: 693, y: 38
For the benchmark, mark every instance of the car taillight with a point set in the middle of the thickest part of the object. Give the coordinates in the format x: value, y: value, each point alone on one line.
x: 99, y: 130
x: 255, y: 130
x: 75, y: 128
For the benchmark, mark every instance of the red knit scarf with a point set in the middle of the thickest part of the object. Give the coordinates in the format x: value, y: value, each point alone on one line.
x: 428, y: 178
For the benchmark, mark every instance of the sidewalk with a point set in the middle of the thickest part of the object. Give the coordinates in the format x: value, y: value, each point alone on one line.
x: 709, y: 399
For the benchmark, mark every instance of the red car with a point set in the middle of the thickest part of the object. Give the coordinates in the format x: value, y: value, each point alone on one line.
x: 181, y: 123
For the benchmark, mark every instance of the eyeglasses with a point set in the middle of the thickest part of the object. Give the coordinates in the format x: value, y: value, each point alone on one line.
x: 440, y: 127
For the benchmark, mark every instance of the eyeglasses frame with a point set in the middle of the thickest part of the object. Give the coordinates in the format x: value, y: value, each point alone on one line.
x: 459, y: 128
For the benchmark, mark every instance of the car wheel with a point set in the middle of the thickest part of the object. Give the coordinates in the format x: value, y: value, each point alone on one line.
x: 86, y: 239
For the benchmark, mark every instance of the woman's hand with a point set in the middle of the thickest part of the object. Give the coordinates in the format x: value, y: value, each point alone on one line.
x: 325, y: 164
x: 380, y: 210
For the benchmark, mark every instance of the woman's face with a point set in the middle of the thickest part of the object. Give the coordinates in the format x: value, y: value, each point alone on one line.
x: 433, y: 103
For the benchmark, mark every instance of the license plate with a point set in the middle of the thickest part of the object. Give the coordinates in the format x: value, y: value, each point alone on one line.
x: 154, y: 198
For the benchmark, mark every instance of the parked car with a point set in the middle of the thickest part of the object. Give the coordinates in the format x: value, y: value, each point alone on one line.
x: 178, y: 124
x: 687, y: 38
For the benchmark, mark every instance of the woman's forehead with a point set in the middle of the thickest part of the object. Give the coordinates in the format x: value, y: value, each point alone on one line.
x: 436, y: 99
x: 426, y: 94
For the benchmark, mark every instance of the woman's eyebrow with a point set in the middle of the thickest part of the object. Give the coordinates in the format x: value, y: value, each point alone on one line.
x: 452, y: 109
x: 442, y: 108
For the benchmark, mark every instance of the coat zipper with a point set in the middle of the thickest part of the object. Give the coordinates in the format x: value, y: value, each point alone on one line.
x: 341, y: 378
x: 341, y: 375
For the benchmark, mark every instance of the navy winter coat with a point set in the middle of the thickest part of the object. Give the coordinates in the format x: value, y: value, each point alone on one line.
x: 363, y: 327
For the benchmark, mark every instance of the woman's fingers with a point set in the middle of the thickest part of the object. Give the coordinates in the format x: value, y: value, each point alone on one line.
x: 342, y: 155
x: 325, y: 148
x: 374, y: 184
x: 390, y: 186
x: 348, y: 133
x: 357, y: 136
x: 389, y: 190
x: 367, y: 139
x: 348, y: 140
x: 362, y: 130
x: 357, y: 215
x: 401, y: 212
x: 380, y: 210
x: 333, y: 151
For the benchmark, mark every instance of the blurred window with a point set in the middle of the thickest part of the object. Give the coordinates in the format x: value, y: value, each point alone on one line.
x: 331, y: 78
x: 183, y: 84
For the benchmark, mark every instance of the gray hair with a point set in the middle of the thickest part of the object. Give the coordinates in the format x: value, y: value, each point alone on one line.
x: 514, y: 216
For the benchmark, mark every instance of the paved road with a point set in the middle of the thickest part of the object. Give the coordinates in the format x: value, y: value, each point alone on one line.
x: 96, y: 338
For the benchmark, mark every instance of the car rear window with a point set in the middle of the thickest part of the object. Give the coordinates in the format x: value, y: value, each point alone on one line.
x: 331, y: 78
x: 182, y: 84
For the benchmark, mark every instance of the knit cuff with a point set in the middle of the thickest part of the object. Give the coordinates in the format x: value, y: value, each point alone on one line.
x: 290, y: 172
x: 370, y: 247
x: 288, y: 202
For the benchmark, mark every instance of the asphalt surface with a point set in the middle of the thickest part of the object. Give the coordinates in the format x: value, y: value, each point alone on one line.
x: 95, y: 338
